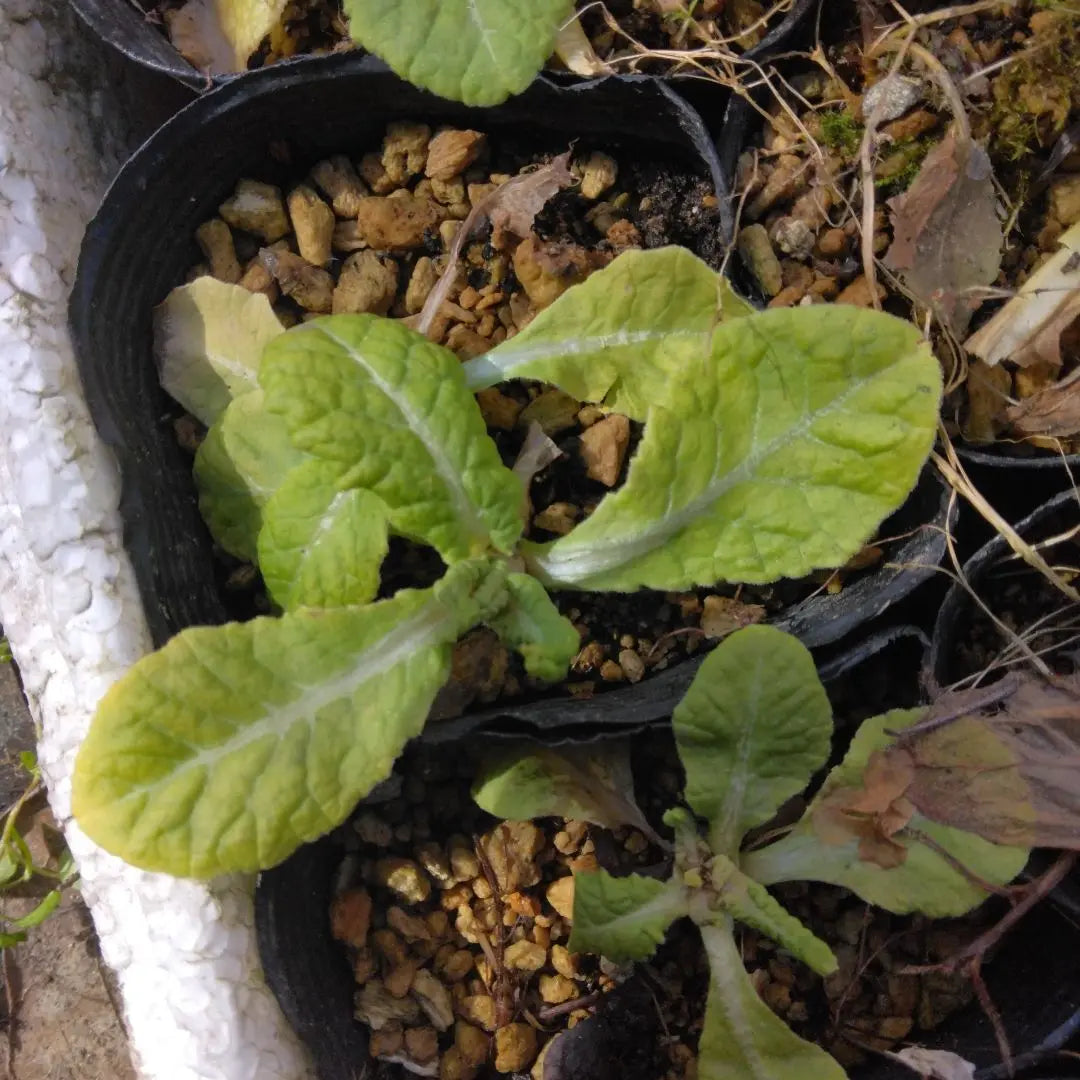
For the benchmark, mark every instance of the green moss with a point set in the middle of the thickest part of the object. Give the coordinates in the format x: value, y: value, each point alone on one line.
x: 839, y: 131
x: 1035, y: 95
x: 895, y: 172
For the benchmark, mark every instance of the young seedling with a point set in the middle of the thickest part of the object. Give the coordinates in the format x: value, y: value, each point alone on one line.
x: 774, y: 444
x: 751, y: 731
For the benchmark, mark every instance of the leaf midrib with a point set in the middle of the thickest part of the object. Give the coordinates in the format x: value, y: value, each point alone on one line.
x: 574, y: 565
x: 495, y: 366
x: 425, y: 627
x: 465, y: 510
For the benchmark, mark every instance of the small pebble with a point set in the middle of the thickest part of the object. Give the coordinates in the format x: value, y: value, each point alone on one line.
x: 216, y: 241
x: 404, y: 878
x: 632, y: 665
x: 515, y: 1048
x: 560, y: 895
x: 452, y: 151
x: 598, y: 174
x: 256, y: 208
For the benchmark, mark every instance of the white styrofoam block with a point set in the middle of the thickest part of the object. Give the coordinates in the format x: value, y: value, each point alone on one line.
x: 194, y: 997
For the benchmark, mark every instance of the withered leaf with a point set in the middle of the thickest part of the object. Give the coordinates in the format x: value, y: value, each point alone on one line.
x: 1012, y: 776
x: 946, y: 234
x: 575, y: 50
x: 874, y: 813
x: 1053, y: 411
x: 218, y: 36
x: 512, y: 207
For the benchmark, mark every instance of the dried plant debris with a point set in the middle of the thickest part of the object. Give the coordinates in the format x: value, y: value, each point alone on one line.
x: 225, y: 36
x: 946, y: 234
x: 1009, y: 775
x: 1031, y: 349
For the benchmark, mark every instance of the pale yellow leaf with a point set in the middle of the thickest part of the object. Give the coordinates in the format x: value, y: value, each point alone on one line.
x: 219, y: 36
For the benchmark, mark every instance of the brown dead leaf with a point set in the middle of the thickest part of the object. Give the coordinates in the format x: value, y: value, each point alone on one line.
x: 723, y: 615
x: 874, y: 813
x: 987, y: 400
x: 946, y: 234
x: 218, y: 36
x: 1011, y: 776
x: 512, y: 207
x: 837, y: 821
x: 1053, y: 411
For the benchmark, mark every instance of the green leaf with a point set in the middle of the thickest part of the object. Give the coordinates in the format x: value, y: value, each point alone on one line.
x: 532, y: 625
x: 751, y: 730
x: 809, y: 428
x: 232, y: 745
x: 590, y: 783
x: 242, y: 461
x: 8, y: 940
x: 743, y: 1039
x: 208, y: 341
x: 621, y: 337
x: 749, y: 902
x: 623, y: 918
x: 476, y: 51
x: 925, y: 881
x: 321, y: 546
x: 39, y: 914
x: 10, y: 867
x: 390, y: 408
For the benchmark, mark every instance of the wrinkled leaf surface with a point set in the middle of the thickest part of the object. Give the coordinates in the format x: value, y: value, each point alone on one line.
x: 391, y: 410
x: 232, y: 745
x: 812, y: 431
x: 476, y: 51
x: 751, y: 730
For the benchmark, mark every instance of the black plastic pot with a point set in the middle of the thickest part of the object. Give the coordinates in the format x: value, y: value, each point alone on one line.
x: 1054, y: 519
x: 1032, y: 978
x: 307, y: 970
x: 122, y: 25
x: 138, y: 247
x: 140, y: 244
x: 1004, y: 457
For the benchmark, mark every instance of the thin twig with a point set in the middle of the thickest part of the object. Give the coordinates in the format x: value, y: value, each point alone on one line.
x: 955, y: 474
x: 553, y: 1012
x: 972, y: 701
x: 1038, y: 890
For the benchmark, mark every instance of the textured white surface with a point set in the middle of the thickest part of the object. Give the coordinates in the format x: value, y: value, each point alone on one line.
x: 185, y: 955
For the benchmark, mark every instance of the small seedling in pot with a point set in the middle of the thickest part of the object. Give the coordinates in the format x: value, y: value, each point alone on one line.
x: 752, y: 730
x: 774, y: 444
